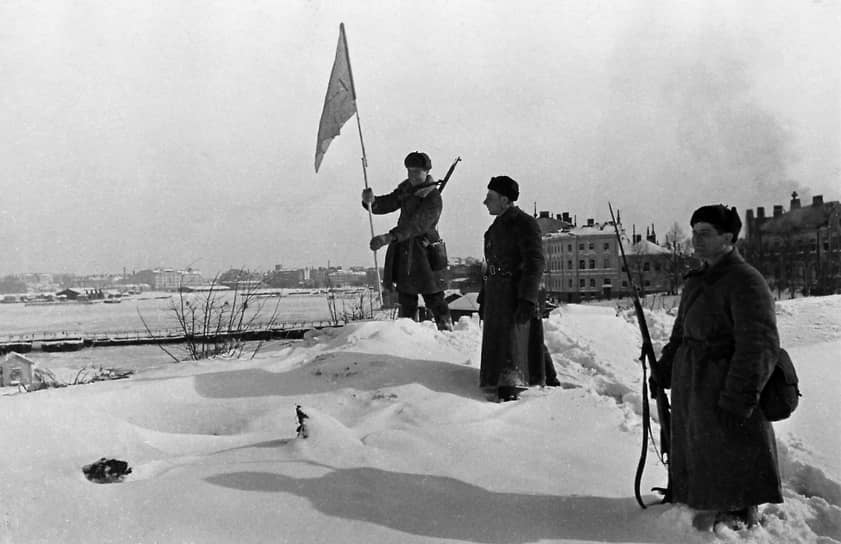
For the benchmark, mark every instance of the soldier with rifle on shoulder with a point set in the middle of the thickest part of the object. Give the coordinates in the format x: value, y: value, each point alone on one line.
x: 416, y: 258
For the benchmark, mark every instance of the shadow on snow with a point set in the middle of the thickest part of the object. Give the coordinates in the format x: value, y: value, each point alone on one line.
x: 333, y: 371
x: 444, y: 507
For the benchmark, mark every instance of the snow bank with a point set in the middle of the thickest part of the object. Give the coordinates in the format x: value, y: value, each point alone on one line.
x: 402, y: 445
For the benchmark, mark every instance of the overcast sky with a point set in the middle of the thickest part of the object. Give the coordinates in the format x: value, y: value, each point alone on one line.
x: 170, y: 133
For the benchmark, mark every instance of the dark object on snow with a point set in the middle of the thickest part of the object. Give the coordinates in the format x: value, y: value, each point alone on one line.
x: 106, y: 471
x: 780, y: 395
x: 302, y: 426
x: 657, y: 391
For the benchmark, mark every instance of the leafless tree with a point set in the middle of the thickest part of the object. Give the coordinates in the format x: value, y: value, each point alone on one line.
x: 219, y: 321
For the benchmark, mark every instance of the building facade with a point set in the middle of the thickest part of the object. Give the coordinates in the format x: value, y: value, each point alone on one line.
x: 581, y: 262
x: 584, y: 262
x: 798, y: 250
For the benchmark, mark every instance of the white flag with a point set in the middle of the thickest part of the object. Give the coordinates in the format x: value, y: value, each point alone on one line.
x: 340, y: 102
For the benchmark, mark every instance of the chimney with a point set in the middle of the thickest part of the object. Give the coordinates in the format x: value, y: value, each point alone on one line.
x: 565, y: 217
x: 778, y: 210
x: 637, y: 238
x: 544, y: 215
x: 760, y: 212
x: 817, y: 200
x: 590, y: 222
x: 795, y: 202
x: 558, y: 217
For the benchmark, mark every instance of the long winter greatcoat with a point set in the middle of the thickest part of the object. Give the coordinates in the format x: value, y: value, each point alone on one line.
x: 721, y: 353
x: 512, y: 352
x: 406, y: 264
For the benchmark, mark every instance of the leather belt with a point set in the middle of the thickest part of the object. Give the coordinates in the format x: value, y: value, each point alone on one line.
x: 494, y: 270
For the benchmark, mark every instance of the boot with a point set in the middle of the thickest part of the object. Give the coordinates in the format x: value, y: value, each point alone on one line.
x: 507, y: 393
x: 444, y: 322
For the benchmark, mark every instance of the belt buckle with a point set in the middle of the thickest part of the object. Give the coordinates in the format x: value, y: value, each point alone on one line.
x: 492, y: 270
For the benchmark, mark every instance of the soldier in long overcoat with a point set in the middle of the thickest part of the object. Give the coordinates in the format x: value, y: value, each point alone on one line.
x: 721, y: 353
x: 512, y: 333
x: 407, y: 265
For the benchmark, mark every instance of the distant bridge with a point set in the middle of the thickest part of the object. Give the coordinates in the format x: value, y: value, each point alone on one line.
x: 73, y: 341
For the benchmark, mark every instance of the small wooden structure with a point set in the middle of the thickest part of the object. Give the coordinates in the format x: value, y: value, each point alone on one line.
x: 464, y: 305
x: 15, y: 369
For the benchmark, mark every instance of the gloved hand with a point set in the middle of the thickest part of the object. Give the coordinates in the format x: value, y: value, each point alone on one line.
x: 380, y: 240
x: 525, y: 311
x: 659, y: 376
x: 367, y: 195
x: 730, y: 421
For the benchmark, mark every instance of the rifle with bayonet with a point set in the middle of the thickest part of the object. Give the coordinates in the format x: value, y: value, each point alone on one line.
x: 657, y: 391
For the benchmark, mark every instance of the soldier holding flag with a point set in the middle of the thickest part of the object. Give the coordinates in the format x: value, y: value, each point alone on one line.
x: 408, y: 267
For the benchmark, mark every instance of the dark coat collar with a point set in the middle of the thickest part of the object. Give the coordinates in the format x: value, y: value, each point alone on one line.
x: 507, y: 215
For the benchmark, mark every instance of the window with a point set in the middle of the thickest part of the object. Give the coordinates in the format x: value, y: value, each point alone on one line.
x: 581, y: 246
x: 570, y: 284
x: 592, y: 282
x: 569, y: 264
x: 657, y: 267
x: 569, y: 247
x: 606, y: 282
x: 646, y: 267
x: 592, y: 263
x: 581, y: 282
x: 624, y: 284
x: 607, y: 245
x: 647, y: 283
x: 592, y: 245
x: 606, y: 262
x: 581, y: 264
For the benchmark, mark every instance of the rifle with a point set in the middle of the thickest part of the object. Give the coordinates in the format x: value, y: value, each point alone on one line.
x: 440, y: 183
x: 443, y: 182
x: 657, y: 391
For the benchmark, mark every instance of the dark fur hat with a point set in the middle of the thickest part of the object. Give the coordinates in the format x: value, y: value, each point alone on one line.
x: 416, y: 159
x: 720, y: 216
x: 505, y: 186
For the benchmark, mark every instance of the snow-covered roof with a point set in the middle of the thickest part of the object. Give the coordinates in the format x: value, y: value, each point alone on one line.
x: 466, y: 303
x: 644, y: 247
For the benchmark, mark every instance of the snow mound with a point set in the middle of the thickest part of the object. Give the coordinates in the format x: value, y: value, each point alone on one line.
x: 402, y: 446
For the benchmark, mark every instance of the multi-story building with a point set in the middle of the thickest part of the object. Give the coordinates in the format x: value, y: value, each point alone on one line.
x: 347, y: 278
x: 797, y: 250
x: 286, y: 277
x: 168, y: 279
x: 583, y: 262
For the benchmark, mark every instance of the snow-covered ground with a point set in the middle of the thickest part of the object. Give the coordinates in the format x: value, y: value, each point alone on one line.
x: 403, y: 447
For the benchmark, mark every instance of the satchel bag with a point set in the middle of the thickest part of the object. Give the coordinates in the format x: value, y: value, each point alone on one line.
x: 781, y: 394
x: 436, y: 253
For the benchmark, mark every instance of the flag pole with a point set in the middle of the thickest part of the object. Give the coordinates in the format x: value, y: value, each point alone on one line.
x: 364, y: 159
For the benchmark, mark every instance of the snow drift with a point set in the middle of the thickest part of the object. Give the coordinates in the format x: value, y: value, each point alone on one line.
x: 402, y: 447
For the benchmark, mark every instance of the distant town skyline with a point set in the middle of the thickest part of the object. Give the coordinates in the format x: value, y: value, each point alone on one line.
x: 148, y: 134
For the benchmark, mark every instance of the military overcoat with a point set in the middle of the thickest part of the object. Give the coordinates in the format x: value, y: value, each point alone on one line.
x: 406, y: 265
x: 722, y: 350
x: 512, y: 351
